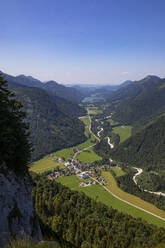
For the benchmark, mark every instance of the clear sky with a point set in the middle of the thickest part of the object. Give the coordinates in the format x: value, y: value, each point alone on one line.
x: 83, y: 41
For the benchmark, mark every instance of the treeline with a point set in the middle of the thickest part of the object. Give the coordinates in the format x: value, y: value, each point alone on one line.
x: 82, y: 222
x: 127, y: 184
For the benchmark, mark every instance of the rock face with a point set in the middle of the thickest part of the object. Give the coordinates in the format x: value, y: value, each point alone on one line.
x: 17, y: 215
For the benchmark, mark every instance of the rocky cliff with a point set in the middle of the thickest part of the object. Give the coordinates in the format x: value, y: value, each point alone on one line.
x: 17, y: 215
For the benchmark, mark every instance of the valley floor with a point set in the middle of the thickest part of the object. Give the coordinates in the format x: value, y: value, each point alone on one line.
x: 109, y: 194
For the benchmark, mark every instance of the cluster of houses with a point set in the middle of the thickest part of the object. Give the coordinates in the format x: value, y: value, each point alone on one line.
x: 87, y: 183
x: 82, y: 170
x: 76, y: 166
x: 85, y: 175
x: 61, y: 172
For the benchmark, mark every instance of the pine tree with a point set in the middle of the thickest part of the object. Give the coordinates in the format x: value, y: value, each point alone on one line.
x: 15, y: 148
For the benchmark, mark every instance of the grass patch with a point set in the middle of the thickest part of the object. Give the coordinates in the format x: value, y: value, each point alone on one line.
x: 94, y: 111
x: 88, y: 156
x: 85, y: 120
x: 112, y: 122
x: 65, y: 153
x: 118, y: 171
x: 45, y: 164
x: 70, y: 181
x: 123, y: 131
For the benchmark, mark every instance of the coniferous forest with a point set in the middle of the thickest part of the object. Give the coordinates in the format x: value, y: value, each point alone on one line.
x: 78, y: 221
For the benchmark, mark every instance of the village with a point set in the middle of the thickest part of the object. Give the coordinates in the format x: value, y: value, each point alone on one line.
x: 88, y: 173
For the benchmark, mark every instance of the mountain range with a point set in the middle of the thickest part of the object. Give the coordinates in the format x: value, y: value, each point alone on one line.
x: 53, y: 88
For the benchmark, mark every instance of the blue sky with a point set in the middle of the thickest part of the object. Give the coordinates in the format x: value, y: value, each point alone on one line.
x: 83, y: 41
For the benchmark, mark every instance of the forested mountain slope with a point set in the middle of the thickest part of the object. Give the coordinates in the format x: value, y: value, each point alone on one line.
x: 64, y: 102
x: 53, y: 88
x: 139, y: 101
x: 68, y: 93
x: 146, y: 148
x: 51, y: 127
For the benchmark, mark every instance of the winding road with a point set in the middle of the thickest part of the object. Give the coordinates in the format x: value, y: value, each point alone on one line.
x: 140, y: 171
x: 109, y: 143
x: 98, y: 133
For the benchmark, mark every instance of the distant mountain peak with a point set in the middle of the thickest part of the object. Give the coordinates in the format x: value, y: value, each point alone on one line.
x: 22, y: 76
x: 126, y: 83
x: 52, y: 82
x: 150, y: 78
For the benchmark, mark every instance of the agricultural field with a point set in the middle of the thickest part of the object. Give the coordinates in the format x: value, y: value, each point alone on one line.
x: 98, y: 193
x: 45, y: 164
x: 94, y: 111
x: 118, y: 171
x: 72, y: 182
x: 112, y: 186
x: 65, y: 153
x: 88, y: 156
x: 123, y: 131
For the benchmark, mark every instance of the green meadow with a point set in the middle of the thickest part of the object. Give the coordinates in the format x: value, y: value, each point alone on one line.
x: 118, y: 171
x: 88, y: 156
x: 94, y: 111
x: 65, y: 153
x: 45, y: 164
x: 123, y: 131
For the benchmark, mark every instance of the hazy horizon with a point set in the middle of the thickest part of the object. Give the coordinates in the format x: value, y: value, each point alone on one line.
x: 83, y: 42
